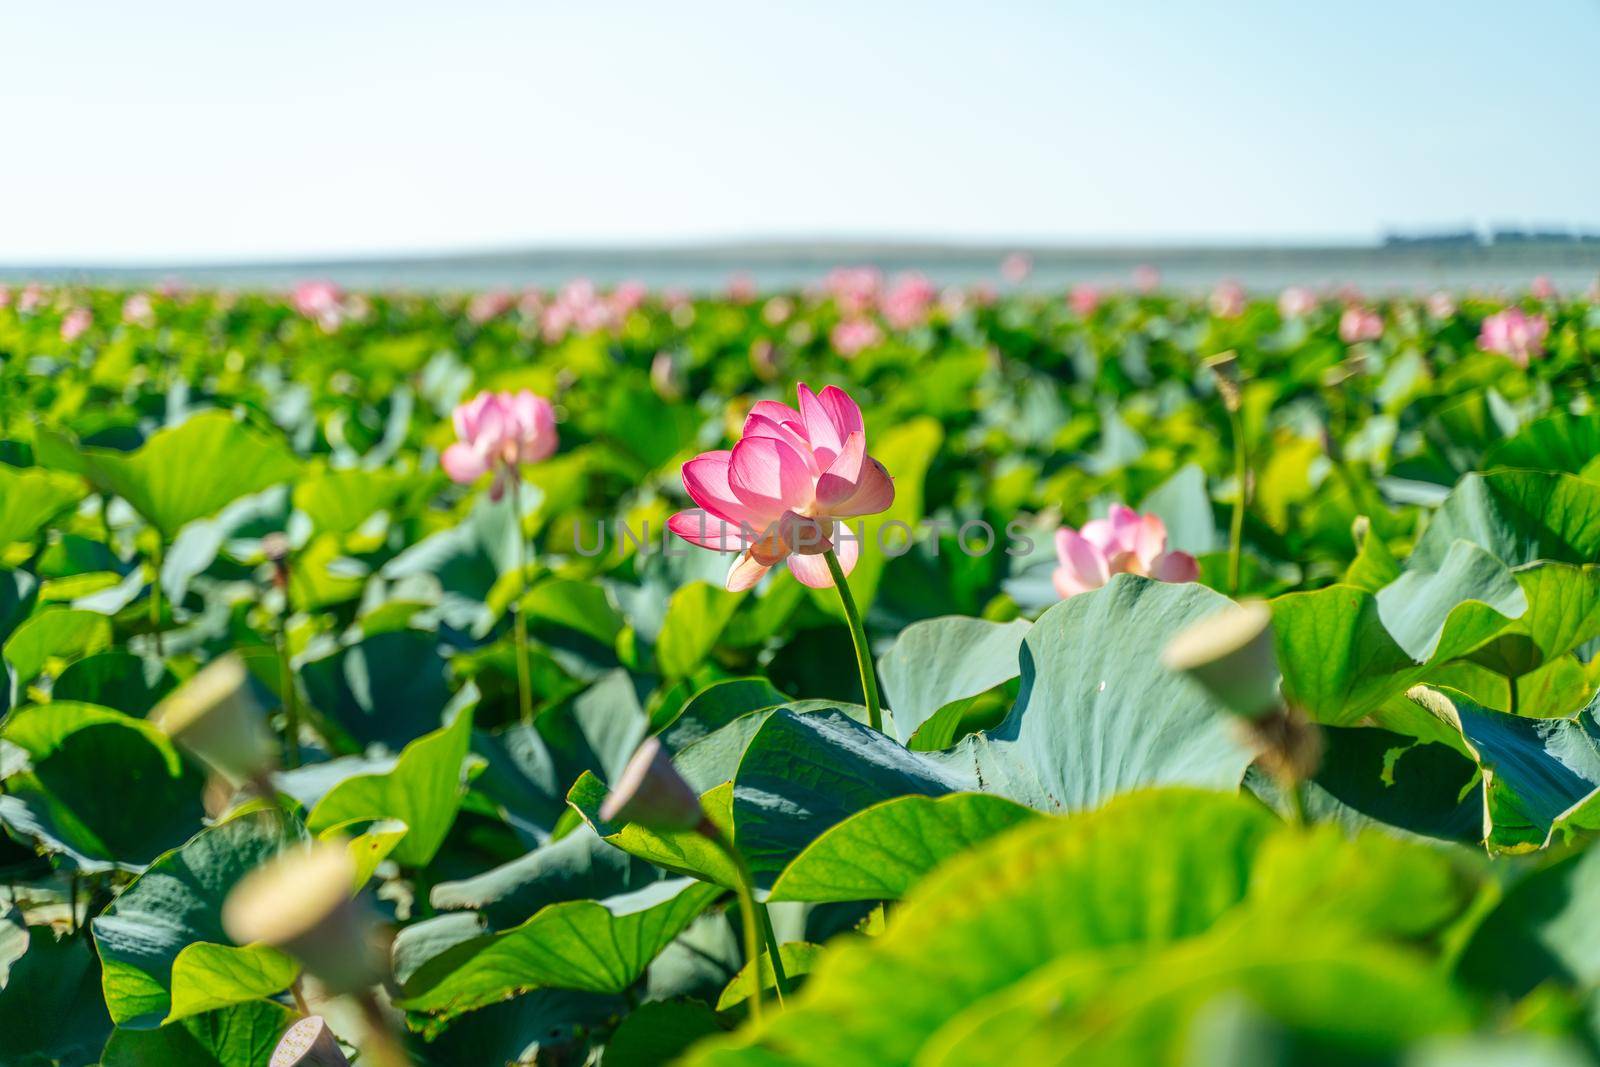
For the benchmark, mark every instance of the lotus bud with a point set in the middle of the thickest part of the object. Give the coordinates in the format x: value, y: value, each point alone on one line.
x: 300, y: 902
x: 216, y: 717
x: 309, y: 1043
x: 1231, y: 655
x: 1225, y: 365
x: 652, y: 793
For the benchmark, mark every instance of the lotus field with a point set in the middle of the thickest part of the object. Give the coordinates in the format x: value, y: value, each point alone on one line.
x: 865, y: 674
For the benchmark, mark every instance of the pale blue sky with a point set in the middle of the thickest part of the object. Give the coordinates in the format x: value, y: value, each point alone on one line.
x: 168, y: 131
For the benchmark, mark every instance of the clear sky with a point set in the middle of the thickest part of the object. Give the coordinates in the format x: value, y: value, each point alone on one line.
x: 166, y: 131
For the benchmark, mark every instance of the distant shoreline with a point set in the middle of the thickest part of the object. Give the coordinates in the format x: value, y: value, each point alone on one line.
x: 781, y: 264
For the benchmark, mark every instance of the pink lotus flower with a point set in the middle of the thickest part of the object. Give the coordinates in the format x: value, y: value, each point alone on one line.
x: 75, y: 324
x: 137, y: 310
x: 1083, y: 299
x: 1124, y: 542
x: 628, y: 297
x: 907, y: 303
x: 854, y: 335
x: 1228, y: 300
x: 1359, y: 324
x: 777, y: 495
x: 1441, y: 306
x: 1146, y: 278
x: 1543, y: 288
x: 499, y: 431
x: 1016, y: 267
x: 1296, y: 301
x: 32, y: 298
x: 742, y: 288
x: 1514, y: 333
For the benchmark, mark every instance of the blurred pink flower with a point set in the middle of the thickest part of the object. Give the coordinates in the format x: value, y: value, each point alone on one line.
x: 137, y: 310
x: 982, y: 295
x: 764, y: 359
x: 499, y: 432
x: 1441, y: 306
x: 1359, y: 324
x: 907, y: 302
x: 1016, y: 267
x: 742, y: 288
x: 852, y: 336
x: 1228, y: 300
x: 776, y: 311
x: 1514, y: 333
x: 628, y: 297
x: 76, y: 323
x: 1543, y: 288
x: 1124, y: 542
x: 1083, y: 299
x: 5, y: 296
x: 319, y: 300
x: 32, y: 298
x: 777, y: 495
x: 1146, y: 278
x: 854, y: 289
x: 490, y: 305
x: 1296, y: 301
x: 664, y: 377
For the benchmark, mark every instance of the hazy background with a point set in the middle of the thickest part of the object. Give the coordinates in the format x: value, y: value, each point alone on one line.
x: 190, y: 132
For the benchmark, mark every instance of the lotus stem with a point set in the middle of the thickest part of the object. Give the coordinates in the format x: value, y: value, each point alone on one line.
x: 381, y: 1044
x: 756, y: 923
x: 155, y: 598
x: 858, y: 634
x: 519, y: 625
x: 1241, y: 472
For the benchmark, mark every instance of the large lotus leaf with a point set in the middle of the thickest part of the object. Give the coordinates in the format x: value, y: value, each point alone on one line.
x: 714, y: 758
x: 880, y: 853
x: 1340, y: 662
x: 1563, y: 612
x: 1183, y: 504
x: 19, y: 592
x: 715, y: 706
x: 181, y: 473
x: 802, y: 774
x: 696, y: 616
x: 423, y: 790
x: 64, y: 798
x: 597, y: 946
x: 176, y: 904
x: 1543, y: 929
x: 386, y: 688
x: 1535, y: 771
x: 115, y: 678
x: 50, y: 1011
x: 1560, y: 441
x: 937, y: 662
x: 31, y: 499
x: 243, y: 1035
x: 339, y: 501
x: 659, y: 1032
x: 1335, y: 999
x: 1098, y: 714
x: 580, y: 866
x: 1376, y: 777
x: 55, y: 634
x: 1519, y: 516
x: 515, y: 1031
x: 1148, y: 869
x: 1469, y: 588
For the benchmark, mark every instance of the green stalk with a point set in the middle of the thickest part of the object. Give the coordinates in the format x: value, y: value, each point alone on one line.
x: 757, y: 924
x: 1295, y: 793
x: 155, y: 598
x: 291, y: 699
x: 1241, y: 471
x: 858, y: 634
x: 519, y: 625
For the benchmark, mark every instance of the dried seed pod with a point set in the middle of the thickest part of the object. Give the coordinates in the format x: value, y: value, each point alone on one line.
x: 1231, y: 655
x: 302, y: 902
x: 652, y: 793
x: 309, y: 1043
x: 216, y: 718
